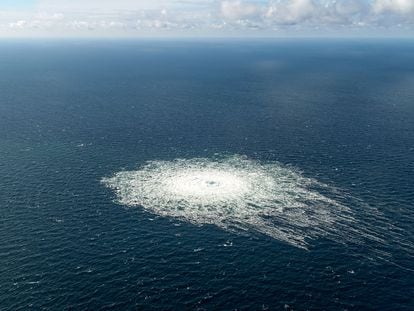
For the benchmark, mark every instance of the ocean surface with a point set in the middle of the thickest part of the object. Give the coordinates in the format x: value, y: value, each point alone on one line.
x: 87, y: 126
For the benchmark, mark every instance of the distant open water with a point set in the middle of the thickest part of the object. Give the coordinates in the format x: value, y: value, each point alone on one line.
x: 75, y: 112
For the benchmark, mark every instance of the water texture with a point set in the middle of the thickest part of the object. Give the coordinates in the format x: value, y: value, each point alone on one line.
x: 159, y: 175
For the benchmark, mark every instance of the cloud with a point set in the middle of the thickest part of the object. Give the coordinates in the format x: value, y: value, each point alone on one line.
x: 402, y: 7
x: 292, y: 11
x: 238, y: 10
x: 208, y: 17
x: 18, y: 24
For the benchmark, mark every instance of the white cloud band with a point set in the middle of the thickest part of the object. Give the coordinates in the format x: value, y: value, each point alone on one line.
x: 206, y: 16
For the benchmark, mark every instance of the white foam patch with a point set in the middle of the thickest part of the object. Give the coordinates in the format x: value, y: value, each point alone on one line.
x: 238, y: 194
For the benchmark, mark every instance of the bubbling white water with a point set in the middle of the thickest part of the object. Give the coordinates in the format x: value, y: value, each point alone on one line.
x: 237, y: 194
x: 207, y: 184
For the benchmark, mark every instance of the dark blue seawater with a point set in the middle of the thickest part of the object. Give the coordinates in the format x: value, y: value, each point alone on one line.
x: 73, y: 112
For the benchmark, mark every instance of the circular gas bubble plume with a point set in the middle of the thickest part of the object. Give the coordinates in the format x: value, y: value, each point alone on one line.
x: 241, y: 195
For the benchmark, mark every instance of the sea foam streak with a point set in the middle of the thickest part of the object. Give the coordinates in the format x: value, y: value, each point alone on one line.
x: 238, y: 194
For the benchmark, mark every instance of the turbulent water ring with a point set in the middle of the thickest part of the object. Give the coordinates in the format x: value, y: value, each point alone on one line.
x: 237, y: 193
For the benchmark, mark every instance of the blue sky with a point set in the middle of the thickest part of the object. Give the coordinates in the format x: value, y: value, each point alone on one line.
x: 17, y: 4
x: 151, y: 18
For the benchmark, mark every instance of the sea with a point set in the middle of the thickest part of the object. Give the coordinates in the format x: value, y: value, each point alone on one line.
x: 310, y: 143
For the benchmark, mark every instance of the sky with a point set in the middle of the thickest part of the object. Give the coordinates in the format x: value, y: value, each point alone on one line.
x: 206, y: 18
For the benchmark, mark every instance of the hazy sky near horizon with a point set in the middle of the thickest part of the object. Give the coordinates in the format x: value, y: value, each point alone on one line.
x: 152, y: 18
